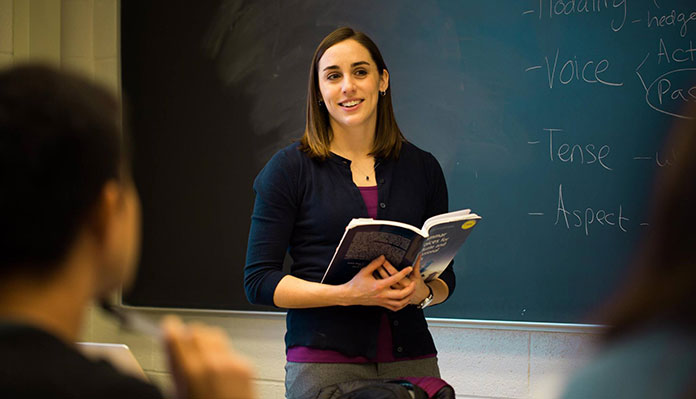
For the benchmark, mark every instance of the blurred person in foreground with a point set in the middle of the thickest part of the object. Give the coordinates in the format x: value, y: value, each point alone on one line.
x: 69, y: 235
x: 649, y: 349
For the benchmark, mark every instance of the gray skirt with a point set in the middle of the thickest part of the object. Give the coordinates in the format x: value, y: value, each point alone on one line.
x: 304, y: 380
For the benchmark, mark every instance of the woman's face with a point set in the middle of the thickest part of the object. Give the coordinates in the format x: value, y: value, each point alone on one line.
x: 350, y: 83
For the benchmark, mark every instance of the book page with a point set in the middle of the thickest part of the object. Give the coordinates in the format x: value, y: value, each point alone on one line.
x: 462, y: 214
x: 363, y: 243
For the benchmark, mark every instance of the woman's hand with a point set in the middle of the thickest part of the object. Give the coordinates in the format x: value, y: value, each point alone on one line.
x: 365, y: 289
x: 421, y: 290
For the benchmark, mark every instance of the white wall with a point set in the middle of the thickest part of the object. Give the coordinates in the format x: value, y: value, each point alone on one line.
x: 79, y: 35
x: 481, y: 360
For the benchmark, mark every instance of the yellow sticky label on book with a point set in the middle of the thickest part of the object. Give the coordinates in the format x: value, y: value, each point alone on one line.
x: 468, y: 224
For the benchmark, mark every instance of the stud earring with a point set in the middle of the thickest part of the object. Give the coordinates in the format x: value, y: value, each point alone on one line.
x: 383, y: 93
x: 321, y: 102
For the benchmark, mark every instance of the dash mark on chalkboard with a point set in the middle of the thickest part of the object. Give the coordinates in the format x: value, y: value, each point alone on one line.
x: 535, y: 213
x: 643, y: 158
x: 635, y: 21
x: 528, y: 12
x: 533, y: 68
x: 533, y: 142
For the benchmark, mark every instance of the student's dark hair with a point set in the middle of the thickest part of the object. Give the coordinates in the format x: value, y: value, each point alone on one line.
x: 317, y: 136
x: 60, y: 142
x: 663, y: 288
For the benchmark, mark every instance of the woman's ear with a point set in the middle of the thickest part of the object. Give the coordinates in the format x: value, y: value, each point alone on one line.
x: 384, y: 80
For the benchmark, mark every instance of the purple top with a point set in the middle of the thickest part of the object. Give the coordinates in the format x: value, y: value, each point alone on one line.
x: 305, y: 354
x: 369, y: 195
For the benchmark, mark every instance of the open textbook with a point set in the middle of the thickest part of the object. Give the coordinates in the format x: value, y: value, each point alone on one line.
x: 366, y: 239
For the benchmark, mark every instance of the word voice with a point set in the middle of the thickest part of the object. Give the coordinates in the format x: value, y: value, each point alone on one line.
x: 574, y: 70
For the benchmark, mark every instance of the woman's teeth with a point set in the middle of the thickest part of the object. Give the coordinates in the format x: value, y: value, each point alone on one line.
x: 350, y: 104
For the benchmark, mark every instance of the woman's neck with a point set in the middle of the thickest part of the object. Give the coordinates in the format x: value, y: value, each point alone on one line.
x: 353, y: 144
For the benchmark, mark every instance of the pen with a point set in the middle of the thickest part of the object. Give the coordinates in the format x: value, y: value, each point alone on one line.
x: 132, y: 321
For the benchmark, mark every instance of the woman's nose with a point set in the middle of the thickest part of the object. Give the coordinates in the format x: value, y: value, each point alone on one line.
x: 348, y: 84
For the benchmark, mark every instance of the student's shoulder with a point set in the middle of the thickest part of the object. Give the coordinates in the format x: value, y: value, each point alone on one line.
x: 640, y: 358
x: 107, y: 382
x: 37, y: 364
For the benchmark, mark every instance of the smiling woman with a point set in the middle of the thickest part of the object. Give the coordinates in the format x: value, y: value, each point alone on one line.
x: 363, y: 71
x: 352, y: 161
x: 349, y: 90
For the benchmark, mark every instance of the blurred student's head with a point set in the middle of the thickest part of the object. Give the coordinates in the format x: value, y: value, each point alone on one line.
x: 664, y: 287
x: 64, y: 177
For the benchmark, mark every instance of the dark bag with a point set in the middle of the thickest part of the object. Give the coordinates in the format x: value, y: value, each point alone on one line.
x: 373, y: 389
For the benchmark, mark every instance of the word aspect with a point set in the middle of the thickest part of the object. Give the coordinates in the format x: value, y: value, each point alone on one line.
x: 583, y: 218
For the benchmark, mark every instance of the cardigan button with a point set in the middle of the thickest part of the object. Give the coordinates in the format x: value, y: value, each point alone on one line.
x: 382, y: 205
x: 399, y: 349
x: 396, y: 323
x: 381, y: 181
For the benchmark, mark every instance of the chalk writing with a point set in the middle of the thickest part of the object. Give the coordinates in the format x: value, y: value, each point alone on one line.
x: 665, y: 97
x: 574, y: 70
x: 673, y: 18
x: 660, y: 160
x: 560, y: 8
x: 587, y: 154
x: 678, y: 54
x: 583, y: 218
x: 668, y: 85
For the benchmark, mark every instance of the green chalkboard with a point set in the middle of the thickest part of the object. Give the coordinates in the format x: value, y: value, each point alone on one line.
x: 547, y: 116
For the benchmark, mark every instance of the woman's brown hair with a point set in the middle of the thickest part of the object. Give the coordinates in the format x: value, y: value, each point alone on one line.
x: 318, y: 135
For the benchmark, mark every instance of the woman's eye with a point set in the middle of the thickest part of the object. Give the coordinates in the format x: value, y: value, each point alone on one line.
x: 361, y: 72
x: 333, y: 76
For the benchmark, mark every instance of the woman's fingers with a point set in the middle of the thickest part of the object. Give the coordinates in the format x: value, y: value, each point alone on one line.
x: 380, y: 284
x: 395, y: 305
x: 416, y: 267
x: 384, y: 274
x: 374, y: 265
x: 400, y: 294
x: 390, y: 268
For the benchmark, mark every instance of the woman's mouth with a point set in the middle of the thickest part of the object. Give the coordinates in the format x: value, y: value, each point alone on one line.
x: 350, y: 103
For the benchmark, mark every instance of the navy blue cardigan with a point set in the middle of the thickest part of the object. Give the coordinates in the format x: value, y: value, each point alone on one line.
x: 303, y: 206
